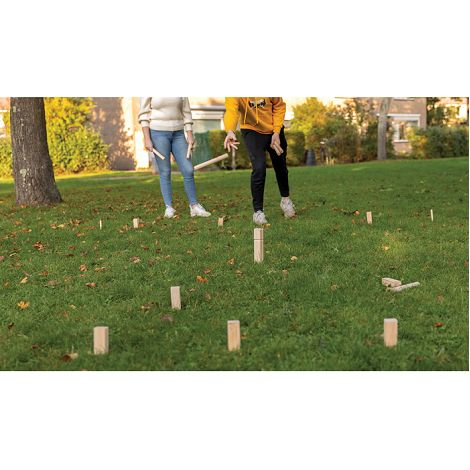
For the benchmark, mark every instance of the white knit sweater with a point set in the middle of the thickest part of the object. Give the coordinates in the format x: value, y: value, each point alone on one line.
x: 165, y: 114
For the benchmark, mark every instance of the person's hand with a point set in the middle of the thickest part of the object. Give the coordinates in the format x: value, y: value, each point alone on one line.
x: 148, y: 144
x: 190, y: 139
x: 231, y: 141
x: 276, y: 143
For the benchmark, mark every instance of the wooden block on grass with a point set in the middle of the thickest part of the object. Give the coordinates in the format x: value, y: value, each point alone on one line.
x: 100, y: 340
x: 101, y: 224
x: 136, y: 222
x: 390, y: 332
x: 233, y: 335
x: 175, y: 297
x: 369, y: 217
x: 258, y: 245
x: 389, y: 282
x: 432, y: 216
x: 220, y: 222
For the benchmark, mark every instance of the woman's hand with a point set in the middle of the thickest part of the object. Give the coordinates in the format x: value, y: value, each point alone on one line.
x: 190, y: 139
x: 148, y: 144
x: 231, y: 141
x: 276, y: 143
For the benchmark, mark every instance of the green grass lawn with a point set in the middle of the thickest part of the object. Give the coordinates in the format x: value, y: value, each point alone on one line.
x: 322, y: 310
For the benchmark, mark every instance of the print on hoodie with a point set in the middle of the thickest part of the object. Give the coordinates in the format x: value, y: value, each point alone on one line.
x: 257, y: 103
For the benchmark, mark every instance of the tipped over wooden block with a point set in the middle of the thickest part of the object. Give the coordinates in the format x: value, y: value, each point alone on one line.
x: 101, y: 224
x: 369, y: 217
x: 390, y: 332
x: 432, y: 215
x: 258, y: 236
x: 220, y: 222
x: 233, y: 335
x: 136, y: 222
x: 389, y: 282
x: 175, y: 297
x: 100, y: 340
x: 403, y: 287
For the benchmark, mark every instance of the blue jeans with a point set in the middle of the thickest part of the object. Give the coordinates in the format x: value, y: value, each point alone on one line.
x: 174, y: 142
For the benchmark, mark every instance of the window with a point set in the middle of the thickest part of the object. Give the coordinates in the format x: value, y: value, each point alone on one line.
x: 401, y: 124
x: 204, y: 125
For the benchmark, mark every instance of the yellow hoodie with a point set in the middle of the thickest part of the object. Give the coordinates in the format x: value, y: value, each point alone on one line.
x: 263, y: 115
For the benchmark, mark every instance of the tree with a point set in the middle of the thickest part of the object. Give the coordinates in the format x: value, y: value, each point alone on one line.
x: 382, y: 129
x: 32, y: 166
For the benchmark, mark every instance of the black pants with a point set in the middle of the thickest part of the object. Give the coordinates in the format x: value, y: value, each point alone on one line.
x: 257, y: 145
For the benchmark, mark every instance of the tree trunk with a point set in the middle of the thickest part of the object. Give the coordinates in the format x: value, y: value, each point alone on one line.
x: 32, y: 166
x: 382, y: 129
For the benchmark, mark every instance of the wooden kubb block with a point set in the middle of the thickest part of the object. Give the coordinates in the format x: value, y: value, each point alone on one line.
x: 136, y: 222
x: 101, y: 340
x: 369, y: 217
x: 258, y: 245
x: 220, y: 222
x: 175, y: 297
x: 233, y: 335
x: 390, y: 332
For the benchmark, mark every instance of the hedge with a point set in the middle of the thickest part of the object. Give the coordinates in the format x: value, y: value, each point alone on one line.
x: 439, y: 142
x: 6, y: 168
x: 210, y: 144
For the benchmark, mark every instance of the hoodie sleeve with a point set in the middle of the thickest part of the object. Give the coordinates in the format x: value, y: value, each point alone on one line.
x: 145, y: 111
x: 279, y: 113
x: 187, y: 116
x: 231, y: 114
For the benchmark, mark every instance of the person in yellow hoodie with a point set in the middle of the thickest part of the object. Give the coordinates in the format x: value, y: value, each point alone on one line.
x: 262, y: 131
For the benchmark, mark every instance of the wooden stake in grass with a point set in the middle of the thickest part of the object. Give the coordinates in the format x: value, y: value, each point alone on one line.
x: 432, y: 216
x: 175, y: 297
x: 101, y: 224
x: 233, y: 335
x: 403, y: 287
x: 136, y: 222
x: 220, y: 222
x: 390, y: 332
x: 258, y: 245
x: 100, y: 340
x: 369, y: 217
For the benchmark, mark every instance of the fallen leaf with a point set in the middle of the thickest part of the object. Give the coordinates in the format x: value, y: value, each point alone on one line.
x: 440, y: 298
x: 52, y: 282
x: 285, y: 272
x: 238, y: 272
x: 438, y: 324
x: 294, y: 258
x: 189, y: 252
x: 23, y: 304
x: 10, y: 325
x: 39, y: 246
x: 91, y: 284
x: 207, y: 296
x: 231, y: 261
x: 24, y: 280
x: 83, y: 267
x: 207, y: 271
x: 192, y: 290
x: 135, y: 259
x: 168, y: 318
x: 201, y: 279
x: 147, y: 306
x: 334, y: 287
x: 35, y: 346
x: 99, y: 270
x: 357, y: 213
x: 2, y: 258
x: 465, y: 263
x: 69, y: 357
x: 385, y: 248
x: 72, y: 306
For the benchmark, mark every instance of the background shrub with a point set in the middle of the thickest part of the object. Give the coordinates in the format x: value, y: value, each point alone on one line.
x: 439, y: 142
x: 74, y: 146
x: 5, y: 157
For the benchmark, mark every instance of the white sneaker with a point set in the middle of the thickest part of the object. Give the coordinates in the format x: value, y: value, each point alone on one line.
x: 288, y: 208
x: 259, y: 218
x: 198, y: 211
x: 169, y: 212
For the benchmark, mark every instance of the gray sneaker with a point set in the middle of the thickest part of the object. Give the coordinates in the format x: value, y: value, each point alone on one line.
x: 259, y: 218
x: 288, y: 208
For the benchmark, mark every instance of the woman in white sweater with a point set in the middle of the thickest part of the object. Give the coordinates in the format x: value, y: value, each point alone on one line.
x: 165, y: 121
